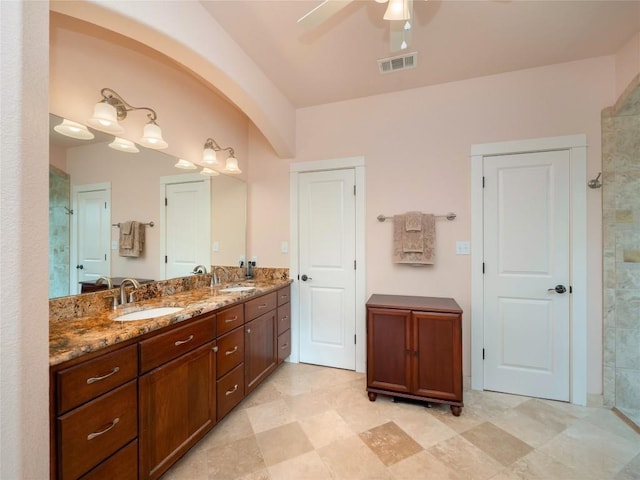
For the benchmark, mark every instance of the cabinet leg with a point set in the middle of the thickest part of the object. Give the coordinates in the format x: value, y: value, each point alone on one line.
x: 455, y: 410
x: 372, y: 396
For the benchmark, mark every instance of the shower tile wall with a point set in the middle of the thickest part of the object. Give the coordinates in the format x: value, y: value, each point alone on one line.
x: 59, y: 225
x: 621, y: 262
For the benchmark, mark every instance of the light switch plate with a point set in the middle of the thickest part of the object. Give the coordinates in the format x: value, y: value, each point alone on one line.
x: 216, y: 246
x: 463, y: 248
x: 284, y: 247
x: 114, y: 244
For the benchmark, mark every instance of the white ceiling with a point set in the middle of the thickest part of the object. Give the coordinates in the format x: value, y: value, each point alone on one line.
x: 455, y: 40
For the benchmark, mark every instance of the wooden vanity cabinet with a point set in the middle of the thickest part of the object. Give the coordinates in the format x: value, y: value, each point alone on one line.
x: 260, y: 345
x: 284, y: 324
x: 177, y: 399
x: 414, y: 349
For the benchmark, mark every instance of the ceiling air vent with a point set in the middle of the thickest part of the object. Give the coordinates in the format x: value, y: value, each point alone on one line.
x: 402, y: 62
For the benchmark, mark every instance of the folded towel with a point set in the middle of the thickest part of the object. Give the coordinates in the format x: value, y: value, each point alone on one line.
x: 126, y: 235
x: 135, y: 239
x: 413, y: 221
x: 414, y: 247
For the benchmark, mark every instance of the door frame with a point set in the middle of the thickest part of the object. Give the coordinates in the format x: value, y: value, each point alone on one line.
x: 577, y: 146
x: 74, y: 287
x: 174, y: 179
x: 295, y: 169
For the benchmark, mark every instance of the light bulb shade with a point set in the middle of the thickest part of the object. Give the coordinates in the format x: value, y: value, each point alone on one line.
x: 185, y: 165
x: 105, y: 118
x: 209, y: 172
x: 232, y: 166
x: 124, y: 145
x: 209, y: 156
x: 397, y: 10
x: 152, y: 137
x: 73, y: 130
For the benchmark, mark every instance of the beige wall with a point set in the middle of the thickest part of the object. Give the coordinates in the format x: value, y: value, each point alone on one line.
x: 416, y: 145
x: 24, y: 347
x: 627, y: 63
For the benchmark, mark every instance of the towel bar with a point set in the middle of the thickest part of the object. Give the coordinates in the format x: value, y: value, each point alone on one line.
x: 449, y: 216
x: 151, y: 224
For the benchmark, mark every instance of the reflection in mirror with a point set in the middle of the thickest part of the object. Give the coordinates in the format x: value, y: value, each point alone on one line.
x: 93, y: 188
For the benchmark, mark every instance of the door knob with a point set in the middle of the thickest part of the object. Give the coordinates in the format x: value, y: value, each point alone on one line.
x: 80, y: 267
x: 558, y: 289
x: 304, y: 278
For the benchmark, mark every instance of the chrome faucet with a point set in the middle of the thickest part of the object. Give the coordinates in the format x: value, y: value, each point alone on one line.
x: 123, y: 293
x: 106, y: 280
x: 215, y: 279
x: 200, y: 269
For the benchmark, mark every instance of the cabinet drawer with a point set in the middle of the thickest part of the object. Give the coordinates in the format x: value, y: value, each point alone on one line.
x: 230, y: 390
x: 92, y: 432
x: 283, y: 295
x: 284, y: 318
x: 230, y: 351
x: 122, y: 465
x: 166, y: 346
x: 230, y: 318
x: 79, y: 384
x: 284, y: 346
x: 256, y: 307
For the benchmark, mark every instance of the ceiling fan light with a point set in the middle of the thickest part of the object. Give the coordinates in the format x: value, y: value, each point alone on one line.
x: 232, y: 166
x: 152, y: 137
x: 407, y: 25
x: 124, y: 145
x: 403, y: 45
x: 73, y: 130
x: 185, y: 165
x: 105, y: 118
x: 397, y: 10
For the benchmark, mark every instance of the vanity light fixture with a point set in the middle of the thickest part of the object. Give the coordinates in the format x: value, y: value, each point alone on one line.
x: 185, y: 164
x: 73, y: 130
x: 112, y: 108
x: 124, y: 145
x: 209, y: 156
x: 209, y: 172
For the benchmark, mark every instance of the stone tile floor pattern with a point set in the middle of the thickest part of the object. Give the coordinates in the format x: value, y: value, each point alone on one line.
x: 310, y: 422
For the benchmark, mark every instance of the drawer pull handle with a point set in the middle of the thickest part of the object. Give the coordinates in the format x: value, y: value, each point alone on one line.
x: 97, y: 379
x: 264, y: 305
x: 284, y: 318
x: 215, y: 349
x: 182, y: 342
x: 249, y: 331
x: 284, y: 346
x: 229, y: 352
x: 229, y: 320
x: 93, y: 435
x: 233, y: 390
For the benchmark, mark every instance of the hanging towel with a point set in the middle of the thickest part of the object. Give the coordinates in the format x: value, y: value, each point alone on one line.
x: 414, y: 247
x: 131, y: 243
x: 413, y: 221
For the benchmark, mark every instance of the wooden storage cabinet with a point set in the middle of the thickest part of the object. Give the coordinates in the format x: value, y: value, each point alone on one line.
x: 260, y: 350
x: 177, y: 398
x: 284, y: 324
x: 414, y: 349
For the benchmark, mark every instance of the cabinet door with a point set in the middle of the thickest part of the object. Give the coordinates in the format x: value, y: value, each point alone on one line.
x: 177, y: 407
x: 437, y: 368
x: 260, y: 349
x: 389, y: 349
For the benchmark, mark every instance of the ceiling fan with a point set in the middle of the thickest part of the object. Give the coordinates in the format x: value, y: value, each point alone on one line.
x: 399, y: 13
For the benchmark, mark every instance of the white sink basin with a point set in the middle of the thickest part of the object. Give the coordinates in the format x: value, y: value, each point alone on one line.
x: 148, y: 313
x: 237, y: 289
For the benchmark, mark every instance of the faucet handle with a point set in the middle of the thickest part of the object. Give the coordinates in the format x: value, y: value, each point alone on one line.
x: 115, y: 301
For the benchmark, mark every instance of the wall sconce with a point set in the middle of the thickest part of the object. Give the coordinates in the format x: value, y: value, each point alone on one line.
x: 124, y: 145
x: 73, y: 130
x: 209, y: 156
x: 209, y: 172
x: 112, y: 108
x: 185, y: 165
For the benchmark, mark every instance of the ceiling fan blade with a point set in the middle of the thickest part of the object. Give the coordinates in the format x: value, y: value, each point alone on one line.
x: 322, y: 12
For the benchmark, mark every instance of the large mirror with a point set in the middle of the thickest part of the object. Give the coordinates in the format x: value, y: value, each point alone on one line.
x: 94, y: 190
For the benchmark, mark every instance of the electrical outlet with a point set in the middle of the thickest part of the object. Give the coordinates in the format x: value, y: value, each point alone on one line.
x: 216, y: 246
x: 114, y: 244
x: 284, y: 247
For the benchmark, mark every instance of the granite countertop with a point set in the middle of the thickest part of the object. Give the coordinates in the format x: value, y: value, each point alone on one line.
x: 73, y: 338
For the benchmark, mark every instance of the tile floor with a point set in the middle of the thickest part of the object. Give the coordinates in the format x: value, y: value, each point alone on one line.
x: 310, y: 422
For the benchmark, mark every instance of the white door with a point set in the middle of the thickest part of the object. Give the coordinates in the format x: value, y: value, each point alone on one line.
x: 526, y: 255
x: 91, y: 234
x: 186, y: 226
x: 327, y: 268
